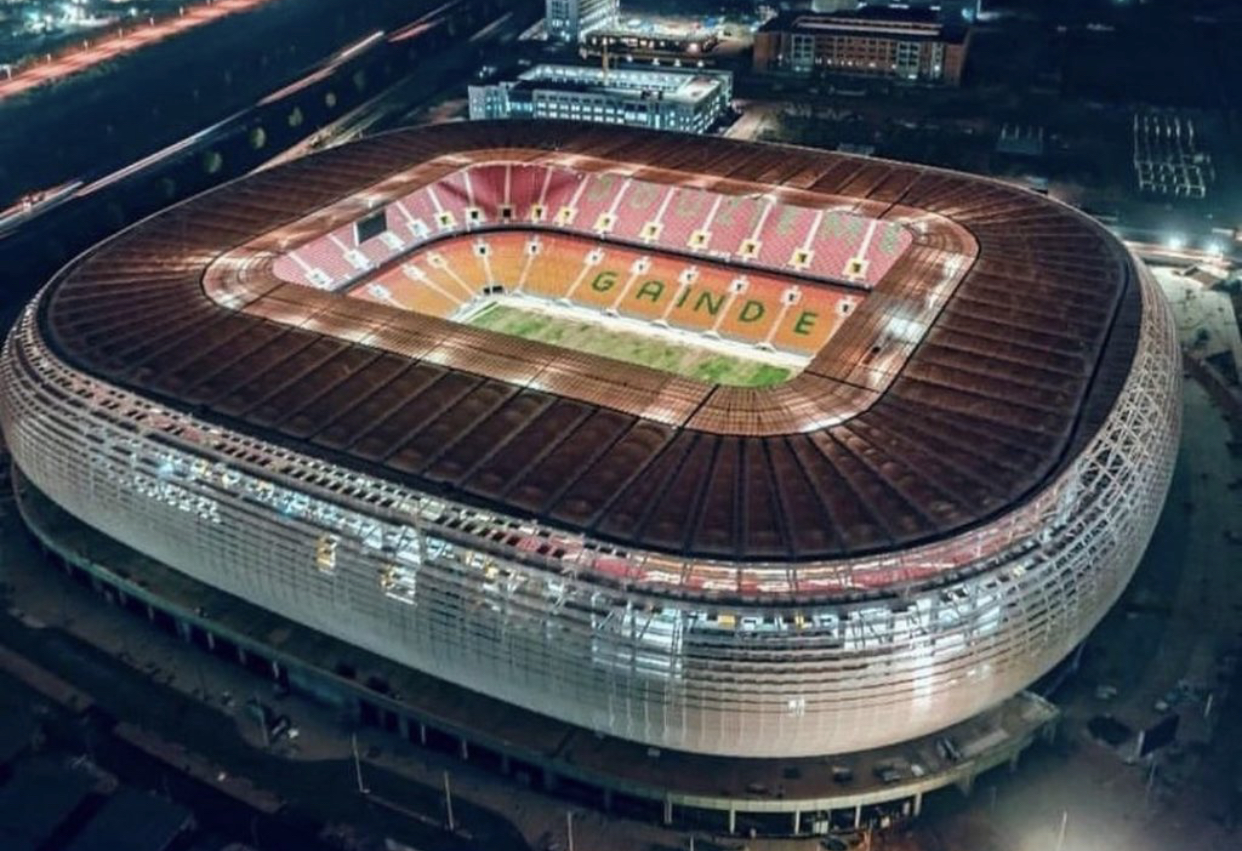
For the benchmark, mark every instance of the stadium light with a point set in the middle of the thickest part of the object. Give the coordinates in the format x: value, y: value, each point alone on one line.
x: 1175, y: 242
x: 1215, y: 249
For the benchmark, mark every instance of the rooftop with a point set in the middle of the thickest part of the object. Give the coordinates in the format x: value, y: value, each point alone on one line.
x: 906, y: 24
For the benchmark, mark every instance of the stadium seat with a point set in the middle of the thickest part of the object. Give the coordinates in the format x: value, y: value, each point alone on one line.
x: 594, y: 211
x: 805, y: 325
x: 552, y: 270
x: 836, y: 242
x: 733, y: 224
x: 641, y: 204
x: 560, y: 187
x: 525, y: 188
x: 507, y: 259
x: 487, y: 189
x: 689, y: 211
x: 411, y: 287
x: 601, y: 193
x: 417, y: 214
x: 753, y: 311
x: 785, y: 229
x: 452, y: 196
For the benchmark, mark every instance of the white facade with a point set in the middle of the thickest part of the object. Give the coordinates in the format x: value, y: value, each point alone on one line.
x: 686, y: 101
x: 569, y: 20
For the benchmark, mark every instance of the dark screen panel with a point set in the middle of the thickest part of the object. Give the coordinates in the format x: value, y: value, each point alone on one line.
x: 370, y: 227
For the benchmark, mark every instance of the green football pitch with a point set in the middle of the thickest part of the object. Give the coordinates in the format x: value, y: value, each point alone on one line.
x: 583, y: 335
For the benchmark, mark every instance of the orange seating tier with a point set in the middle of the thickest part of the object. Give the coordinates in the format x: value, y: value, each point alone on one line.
x: 692, y: 294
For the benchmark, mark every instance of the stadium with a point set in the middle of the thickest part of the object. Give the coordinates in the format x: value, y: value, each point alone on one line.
x: 730, y: 449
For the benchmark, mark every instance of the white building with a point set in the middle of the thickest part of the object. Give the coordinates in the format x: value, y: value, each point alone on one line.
x: 663, y: 99
x: 568, y: 20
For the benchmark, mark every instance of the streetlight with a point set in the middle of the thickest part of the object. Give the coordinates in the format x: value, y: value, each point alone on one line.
x: 1061, y: 833
x: 448, y: 803
x: 362, y: 787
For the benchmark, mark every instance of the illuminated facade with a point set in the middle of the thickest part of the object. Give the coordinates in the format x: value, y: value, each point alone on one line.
x: 905, y: 44
x: 569, y: 20
x: 661, y: 99
x: 751, y: 655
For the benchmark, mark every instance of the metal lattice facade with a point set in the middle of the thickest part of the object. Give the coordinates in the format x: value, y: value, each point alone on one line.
x: 507, y: 608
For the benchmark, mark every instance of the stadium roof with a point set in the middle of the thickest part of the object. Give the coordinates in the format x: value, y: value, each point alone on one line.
x: 1017, y: 369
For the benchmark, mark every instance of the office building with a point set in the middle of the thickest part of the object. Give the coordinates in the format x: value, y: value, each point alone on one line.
x: 906, y: 44
x: 659, y: 98
x: 569, y: 20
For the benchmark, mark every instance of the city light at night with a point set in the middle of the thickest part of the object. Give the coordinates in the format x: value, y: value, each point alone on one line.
x: 578, y: 425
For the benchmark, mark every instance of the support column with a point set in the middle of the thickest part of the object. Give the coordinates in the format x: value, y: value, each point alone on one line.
x: 211, y: 640
x: 857, y: 816
x: 668, y: 811
x: 422, y: 734
x: 1050, y: 732
x: 797, y: 822
x: 967, y: 784
x: 1013, y: 761
x: 463, y: 749
x: 918, y: 804
x: 732, y: 820
x: 1077, y: 658
x: 183, y: 631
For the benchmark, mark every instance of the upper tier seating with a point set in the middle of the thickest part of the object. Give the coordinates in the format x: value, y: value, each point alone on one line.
x: 759, y: 232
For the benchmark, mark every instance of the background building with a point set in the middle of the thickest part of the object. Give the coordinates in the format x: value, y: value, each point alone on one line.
x: 695, y: 47
x: 569, y: 20
x: 664, y: 99
x: 947, y: 9
x: 907, y: 44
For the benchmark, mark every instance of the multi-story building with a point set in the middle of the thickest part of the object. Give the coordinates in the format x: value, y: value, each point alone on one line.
x: 908, y: 44
x: 569, y: 20
x: 663, y: 99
